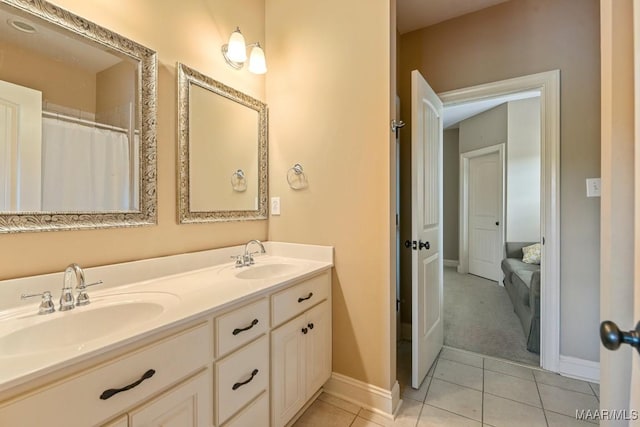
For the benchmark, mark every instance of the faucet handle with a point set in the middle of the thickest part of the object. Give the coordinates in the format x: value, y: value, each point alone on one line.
x: 67, y: 302
x: 83, y: 296
x: 46, y: 305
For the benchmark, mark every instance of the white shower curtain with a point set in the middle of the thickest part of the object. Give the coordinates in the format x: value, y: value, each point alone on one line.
x: 83, y: 168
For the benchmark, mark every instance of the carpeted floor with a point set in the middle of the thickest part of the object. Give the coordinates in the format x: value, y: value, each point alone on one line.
x: 479, y: 317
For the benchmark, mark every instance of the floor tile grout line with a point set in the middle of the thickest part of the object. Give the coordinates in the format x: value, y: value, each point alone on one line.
x: 566, y: 389
x: 594, y: 391
x: 565, y: 415
x: 544, y: 412
x: 451, y: 412
x: 457, y: 361
x: 427, y: 393
x: 509, y: 375
x: 482, y: 401
x: 459, y: 385
x: 342, y: 409
x: 513, y: 400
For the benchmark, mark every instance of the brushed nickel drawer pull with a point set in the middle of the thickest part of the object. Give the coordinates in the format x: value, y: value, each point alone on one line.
x: 238, y: 385
x: 236, y: 331
x: 113, y: 391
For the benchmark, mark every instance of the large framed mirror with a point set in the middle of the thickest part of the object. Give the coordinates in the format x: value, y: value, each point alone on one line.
x: 77, y: 123
x: 222, y: 146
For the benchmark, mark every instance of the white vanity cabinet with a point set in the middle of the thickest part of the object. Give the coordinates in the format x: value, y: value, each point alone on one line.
x: 301, y: 347
x: 253, y: 362
x: 97, y: 394
x: 185, y: 405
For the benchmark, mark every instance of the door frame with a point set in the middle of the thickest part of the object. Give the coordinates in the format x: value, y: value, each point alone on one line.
x: 465, y: 158
x: 548, y: 84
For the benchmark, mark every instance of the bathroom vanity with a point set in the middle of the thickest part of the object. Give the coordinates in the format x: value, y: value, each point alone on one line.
x: 201, y: 343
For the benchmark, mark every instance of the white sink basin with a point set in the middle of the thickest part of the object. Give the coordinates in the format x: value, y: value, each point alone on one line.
x: 266, y: 271
x: 104, y: 316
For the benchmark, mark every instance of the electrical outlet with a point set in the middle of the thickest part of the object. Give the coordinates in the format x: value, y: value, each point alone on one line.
x: 593, y: 187
x: 275, y: 206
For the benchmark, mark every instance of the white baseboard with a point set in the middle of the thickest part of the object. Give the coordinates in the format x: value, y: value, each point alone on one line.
x: 405, y: 331
x: 450, y: 262
x: 378, y: 400
x: 581, y: 369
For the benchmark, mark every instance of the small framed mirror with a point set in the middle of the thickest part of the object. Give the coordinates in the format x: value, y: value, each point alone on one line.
x: 222, y: 146
x: 77, y: 123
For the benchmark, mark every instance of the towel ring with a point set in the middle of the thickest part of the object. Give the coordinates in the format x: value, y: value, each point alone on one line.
x: 239, y: 181
x: 296, y: 177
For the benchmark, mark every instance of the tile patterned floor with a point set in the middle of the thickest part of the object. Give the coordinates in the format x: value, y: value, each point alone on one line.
x: 467, y: 389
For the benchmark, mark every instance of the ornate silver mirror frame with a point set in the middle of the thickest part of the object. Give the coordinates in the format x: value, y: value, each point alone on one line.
x: 146, y: 96
x: 188, y: 77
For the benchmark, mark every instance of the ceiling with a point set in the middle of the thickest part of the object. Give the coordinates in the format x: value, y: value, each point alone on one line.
x: 416, y: 14
x: 454, y: 114
x: 51, y: 42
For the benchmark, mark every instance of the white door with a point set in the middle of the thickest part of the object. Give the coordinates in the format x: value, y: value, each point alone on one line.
x: 485, y: 204
x: 620, y: 211
x: 426, y: 210
x: 20, y: 148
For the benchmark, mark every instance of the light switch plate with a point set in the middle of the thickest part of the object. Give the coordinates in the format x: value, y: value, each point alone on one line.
x: 593, y: 187
x: 275, y: 206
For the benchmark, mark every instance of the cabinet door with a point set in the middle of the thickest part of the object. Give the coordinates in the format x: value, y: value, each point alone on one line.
x: 255, y: 415
x: 186, y: 405
x: 318, y: 347
x: 288, y: 370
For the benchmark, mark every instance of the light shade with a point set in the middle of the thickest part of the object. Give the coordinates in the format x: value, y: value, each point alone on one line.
x: 237, y: 49
x: 257, y: 61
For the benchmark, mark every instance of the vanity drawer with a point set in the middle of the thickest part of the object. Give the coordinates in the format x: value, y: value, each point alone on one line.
x: 296, y: 299
x: 172, y: 359
x: 240, y: 377
x: 240, y: 326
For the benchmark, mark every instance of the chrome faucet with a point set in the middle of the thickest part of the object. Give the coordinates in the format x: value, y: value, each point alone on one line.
x: 246, y: 259
x: 67, y: 301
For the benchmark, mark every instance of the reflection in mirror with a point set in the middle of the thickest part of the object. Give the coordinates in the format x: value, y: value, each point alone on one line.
x: 77, y: 123
x: 222, y: 151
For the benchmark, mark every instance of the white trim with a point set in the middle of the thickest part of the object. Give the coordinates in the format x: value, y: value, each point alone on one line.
x: 548, y: 83
x: 450, y: 262
x: 378, y: 400
x: 463, y: 248
x: 581, y: 369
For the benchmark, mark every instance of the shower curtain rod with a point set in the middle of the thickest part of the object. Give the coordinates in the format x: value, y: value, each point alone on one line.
x: 77, y: 120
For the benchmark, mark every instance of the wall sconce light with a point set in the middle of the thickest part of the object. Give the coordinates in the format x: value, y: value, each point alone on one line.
x: 235, y: 53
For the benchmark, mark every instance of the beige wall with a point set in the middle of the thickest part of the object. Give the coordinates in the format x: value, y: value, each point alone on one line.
x: 190, y: 32
x: 329, y: 104
x: 116, y: 94
x: 517, y: 38
x: 62, y: 84
x: 217, y: 152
